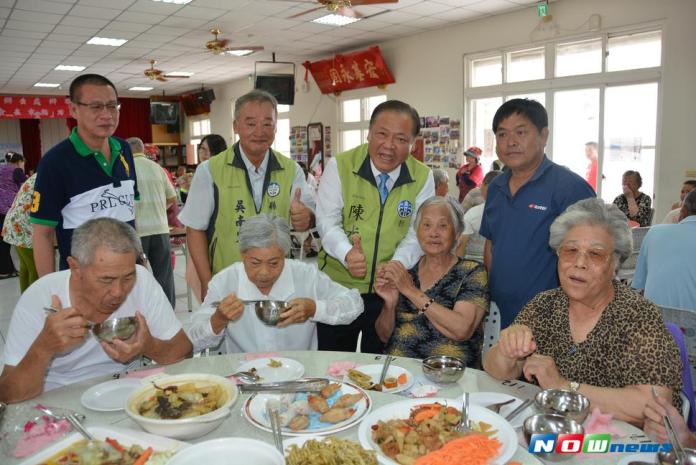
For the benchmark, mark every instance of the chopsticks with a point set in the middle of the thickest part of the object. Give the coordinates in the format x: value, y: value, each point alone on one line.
x: 672, y: 435
x: 272, y: 412
x: 519, y: 409
x: 385, y: 368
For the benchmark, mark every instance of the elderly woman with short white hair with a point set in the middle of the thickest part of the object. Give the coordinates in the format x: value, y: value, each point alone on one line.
x: 265, y: 274
x: 592, y: 335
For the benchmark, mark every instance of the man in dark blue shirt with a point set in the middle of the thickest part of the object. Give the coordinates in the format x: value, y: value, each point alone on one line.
x: 521, y: 205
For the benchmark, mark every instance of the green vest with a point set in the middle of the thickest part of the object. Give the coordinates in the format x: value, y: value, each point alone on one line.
x: 234, y: 201
x: 381, y: 227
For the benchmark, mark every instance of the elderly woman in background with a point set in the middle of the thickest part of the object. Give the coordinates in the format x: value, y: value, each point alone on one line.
x: 436, y: 307
x: 11, y: 178
x: 633, y: 203
x: 593, y: 335
x: 265, y: 274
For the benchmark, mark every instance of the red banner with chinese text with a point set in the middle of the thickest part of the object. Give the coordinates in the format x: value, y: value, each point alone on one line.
x: 34, y: 107
x: 356, y: 70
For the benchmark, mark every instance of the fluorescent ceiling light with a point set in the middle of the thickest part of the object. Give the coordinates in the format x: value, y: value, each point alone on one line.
x: 136, y: 88
x: 176, y: 2
x: 335, y: 20
x: 46, y: 84
x: 180, y: 73
x: 69, y: 68
x: 239, y: 53
x: 106, y: 41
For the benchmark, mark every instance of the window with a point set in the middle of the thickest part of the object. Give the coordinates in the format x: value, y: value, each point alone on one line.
x: 199, y: 128
x: 355, y: 119
x: 590, y: 96
x: 281, y: 143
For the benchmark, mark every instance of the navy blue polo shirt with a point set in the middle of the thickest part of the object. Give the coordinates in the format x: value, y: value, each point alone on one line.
x: 75, y: 184
x: 518, y: 227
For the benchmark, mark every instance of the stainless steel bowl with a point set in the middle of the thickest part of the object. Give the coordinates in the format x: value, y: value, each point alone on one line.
x: 268, y: 311
x: 566, y: 403
x: 117, y: 328
x: 546, y: 423
x: 443, y: 369
x: 669, y: 458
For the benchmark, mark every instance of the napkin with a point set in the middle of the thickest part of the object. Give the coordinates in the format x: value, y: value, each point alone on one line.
x: 339, y: 368
x: 599, y: 422
x: 144, y: 373
x: 39, y: 433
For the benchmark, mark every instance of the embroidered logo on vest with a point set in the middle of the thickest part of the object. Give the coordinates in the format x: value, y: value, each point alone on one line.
x: 404, y: 209
x: 273, y: 189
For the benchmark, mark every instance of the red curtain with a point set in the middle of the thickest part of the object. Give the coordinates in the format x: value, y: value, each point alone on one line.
x: 30, y: 132
x: 135, y: 119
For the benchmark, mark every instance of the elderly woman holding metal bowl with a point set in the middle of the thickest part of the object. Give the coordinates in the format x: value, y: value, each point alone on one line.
x: 592, y: 335
x: 436, y: 307
x: 265, y: 274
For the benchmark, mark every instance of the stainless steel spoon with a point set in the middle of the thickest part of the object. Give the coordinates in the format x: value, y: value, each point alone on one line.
x: 247, y: 376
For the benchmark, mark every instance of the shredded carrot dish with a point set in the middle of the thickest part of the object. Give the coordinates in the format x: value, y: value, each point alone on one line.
x: 473, y: 449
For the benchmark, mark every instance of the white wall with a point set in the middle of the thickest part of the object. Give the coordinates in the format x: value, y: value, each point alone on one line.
x: 53, y: 130
x: 429, y: 72
x: 10, y: 132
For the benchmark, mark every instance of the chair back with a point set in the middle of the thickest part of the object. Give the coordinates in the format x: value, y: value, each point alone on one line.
x: 687, y: 384
x: 491, y: 328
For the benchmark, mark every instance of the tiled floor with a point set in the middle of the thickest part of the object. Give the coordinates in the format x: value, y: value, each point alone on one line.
x: 9, y: 295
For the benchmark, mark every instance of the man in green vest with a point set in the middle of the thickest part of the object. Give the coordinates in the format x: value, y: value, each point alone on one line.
x: 245, y: 180
x: 367, y: 201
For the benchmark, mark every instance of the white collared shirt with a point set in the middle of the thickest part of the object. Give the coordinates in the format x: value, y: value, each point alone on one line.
x: 200, y: 202
x: 330, y: 218
x: 335, y: 304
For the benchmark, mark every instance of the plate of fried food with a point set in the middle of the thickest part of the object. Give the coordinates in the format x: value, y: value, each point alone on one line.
x: 337, y: 407
x: 367, y: 377
x: 274, y: 370
x: 404, y: 431
x: 308, y: 450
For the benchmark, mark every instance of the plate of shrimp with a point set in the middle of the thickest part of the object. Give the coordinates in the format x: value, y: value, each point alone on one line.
x: 338, y: 406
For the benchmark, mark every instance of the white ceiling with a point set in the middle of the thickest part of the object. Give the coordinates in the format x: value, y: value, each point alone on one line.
x: 38, y: 35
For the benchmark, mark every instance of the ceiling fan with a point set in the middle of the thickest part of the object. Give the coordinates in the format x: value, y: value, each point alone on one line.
x: 219, y: 46
x: 159, y: 75
x: 340, y: 7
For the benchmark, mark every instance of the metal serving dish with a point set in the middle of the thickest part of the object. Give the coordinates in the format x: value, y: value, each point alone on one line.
x: 443, y: 369
x: 546, y: 423
x: 566, y: 403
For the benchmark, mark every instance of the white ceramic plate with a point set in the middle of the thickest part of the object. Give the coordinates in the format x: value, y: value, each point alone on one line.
x: 223, y: 451
x: 109, y: 396
x: 289, y: 370
x: 122, y: 435
x: 393, y: 372
x: 487, y: 398
x: 506, y: 435
x: 254, y: 411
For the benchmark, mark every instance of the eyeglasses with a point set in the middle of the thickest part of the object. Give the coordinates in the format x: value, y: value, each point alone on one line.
x: 595, y: 256
x: 112, y: 107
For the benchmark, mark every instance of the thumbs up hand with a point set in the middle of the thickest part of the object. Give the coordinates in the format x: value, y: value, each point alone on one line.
x: 300, y: 214
x: 355, y: 259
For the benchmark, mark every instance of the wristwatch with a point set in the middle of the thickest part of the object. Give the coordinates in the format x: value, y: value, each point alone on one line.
x: 574, y: 386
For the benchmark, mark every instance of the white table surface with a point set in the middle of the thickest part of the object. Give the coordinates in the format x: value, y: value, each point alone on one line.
x: 316, y: 363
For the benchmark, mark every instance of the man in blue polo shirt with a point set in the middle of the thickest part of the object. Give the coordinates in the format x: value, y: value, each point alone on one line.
x: 521, y: 205
x: 88, y: 175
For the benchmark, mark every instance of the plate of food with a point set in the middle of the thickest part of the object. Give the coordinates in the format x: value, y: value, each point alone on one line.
x: 274, y: 370
x: 304, y: 450
x: 367, y: 377
x: 398, y: 432
x: 109, y: 396
x: 339, y: 406
x: 114, y: 445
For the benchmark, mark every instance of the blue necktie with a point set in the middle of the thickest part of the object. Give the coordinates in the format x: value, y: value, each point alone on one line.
x: 383, y: 191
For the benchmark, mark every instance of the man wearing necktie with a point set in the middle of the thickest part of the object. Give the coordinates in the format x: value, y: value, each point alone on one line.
x: 367, y: 201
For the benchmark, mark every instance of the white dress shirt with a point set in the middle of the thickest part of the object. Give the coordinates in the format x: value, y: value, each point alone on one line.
x: 330, y: 219
x: 335, y: 304
x: 200, y: 204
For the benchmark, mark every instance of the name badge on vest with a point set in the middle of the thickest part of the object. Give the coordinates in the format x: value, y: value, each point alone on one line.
x: 273, y: 189
x: 404, y: 209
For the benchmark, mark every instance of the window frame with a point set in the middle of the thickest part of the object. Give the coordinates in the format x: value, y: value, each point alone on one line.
x: 364, y: 124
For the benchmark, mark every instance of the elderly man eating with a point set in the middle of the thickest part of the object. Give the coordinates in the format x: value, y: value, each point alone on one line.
x: 45, y: 350
x: 264, y: 274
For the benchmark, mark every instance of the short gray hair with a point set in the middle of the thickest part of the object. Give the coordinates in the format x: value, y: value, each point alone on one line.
x: 440, y: 176
x: 595, y: 212
x: 136, y: 144
x: 264, y: 230
x: 256, y: 95
x: 690, y: 203
x: 116, y: 236
x: 456, y: 213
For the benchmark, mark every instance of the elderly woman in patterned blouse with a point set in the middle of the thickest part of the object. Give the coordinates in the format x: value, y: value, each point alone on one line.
x: 436, y: 307
x: 592, y: 335
x: 633, y: 203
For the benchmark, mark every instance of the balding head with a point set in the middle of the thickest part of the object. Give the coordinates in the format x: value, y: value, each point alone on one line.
x: 136, y: 144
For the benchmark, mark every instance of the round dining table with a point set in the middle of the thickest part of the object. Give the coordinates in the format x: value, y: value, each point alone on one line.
x: 316, y: 364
